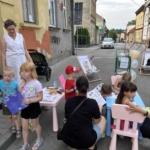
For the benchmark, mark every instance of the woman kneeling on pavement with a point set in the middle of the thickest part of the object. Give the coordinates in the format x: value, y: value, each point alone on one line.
x: 86, y: 125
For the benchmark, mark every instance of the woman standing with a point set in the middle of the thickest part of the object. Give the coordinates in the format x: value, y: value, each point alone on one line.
x: 14, y: 51
x: 86, y: 125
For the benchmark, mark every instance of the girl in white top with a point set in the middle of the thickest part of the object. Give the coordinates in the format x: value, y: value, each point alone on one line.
x: 14, y: 52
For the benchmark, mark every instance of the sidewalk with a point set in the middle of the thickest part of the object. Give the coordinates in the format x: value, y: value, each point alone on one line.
x: 93, y: 47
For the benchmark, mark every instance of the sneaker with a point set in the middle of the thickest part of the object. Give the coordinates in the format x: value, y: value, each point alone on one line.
x: 24, y: 147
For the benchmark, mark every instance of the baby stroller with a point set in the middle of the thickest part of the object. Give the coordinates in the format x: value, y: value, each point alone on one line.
x: 41, y: 63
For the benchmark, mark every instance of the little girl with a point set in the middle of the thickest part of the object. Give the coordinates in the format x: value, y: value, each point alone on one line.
x: 119, y: 81
x: 32, y: 92
x: 126, y: 95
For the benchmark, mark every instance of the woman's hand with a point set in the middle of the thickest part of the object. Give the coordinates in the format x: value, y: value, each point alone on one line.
x: 27, y: 101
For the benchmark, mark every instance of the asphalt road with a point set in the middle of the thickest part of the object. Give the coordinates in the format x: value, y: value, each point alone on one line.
x: 104, y: 60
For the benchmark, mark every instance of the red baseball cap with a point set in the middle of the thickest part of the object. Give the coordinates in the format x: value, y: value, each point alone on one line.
x: 71, y: 69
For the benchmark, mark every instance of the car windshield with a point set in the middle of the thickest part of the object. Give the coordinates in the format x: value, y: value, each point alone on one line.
x: 108, y: 40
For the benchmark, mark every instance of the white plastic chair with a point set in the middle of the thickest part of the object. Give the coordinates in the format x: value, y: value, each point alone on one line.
x: 119, y: 113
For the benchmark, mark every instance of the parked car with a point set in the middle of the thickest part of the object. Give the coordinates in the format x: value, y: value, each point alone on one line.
x: 107, y: 43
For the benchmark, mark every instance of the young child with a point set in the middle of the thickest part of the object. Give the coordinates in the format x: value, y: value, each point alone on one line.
x: 32, y: 92
x: 70, y: 86
x: 9, y: 86
x: 107, y: 90
x: 119, y: 81
x: 126, y: 95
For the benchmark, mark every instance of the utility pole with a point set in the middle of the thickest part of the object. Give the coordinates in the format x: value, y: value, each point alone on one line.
x: 72, y: 25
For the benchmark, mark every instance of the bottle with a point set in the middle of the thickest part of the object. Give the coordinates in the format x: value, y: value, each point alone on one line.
x: 55, y: 84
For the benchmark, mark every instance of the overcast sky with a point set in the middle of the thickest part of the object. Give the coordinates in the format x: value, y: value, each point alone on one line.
x: 117, y: 12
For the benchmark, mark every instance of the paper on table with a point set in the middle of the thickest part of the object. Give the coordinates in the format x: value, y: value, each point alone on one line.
x: 48, y: 97
x: 95, y: 94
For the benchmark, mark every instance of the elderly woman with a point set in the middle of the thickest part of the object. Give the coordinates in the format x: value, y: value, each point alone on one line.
x: 86, y: 125
x: 145, y: 128
x: 14, y: 52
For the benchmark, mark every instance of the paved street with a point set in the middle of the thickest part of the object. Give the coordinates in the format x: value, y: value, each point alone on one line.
x: 104, y: 60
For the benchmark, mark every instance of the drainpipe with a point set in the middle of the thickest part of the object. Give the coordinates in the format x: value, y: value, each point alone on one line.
x: 72, y: 25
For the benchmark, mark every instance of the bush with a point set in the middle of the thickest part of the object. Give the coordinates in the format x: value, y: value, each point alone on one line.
x: 83, y: 36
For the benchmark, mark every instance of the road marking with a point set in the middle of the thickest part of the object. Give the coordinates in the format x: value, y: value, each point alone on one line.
x: 110, y: 57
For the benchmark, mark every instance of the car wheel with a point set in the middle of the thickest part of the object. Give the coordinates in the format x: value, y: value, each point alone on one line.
x: 112, y: 47
x: 48, y: 74
x: 101, y: 47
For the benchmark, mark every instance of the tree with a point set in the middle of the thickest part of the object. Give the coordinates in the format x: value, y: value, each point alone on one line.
x: 113, y: 34
x: 83, y: 36
x: 119, y: 31
x: 133, y: 22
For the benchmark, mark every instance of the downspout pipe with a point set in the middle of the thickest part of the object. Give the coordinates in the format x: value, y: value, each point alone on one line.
x: 72, y: 26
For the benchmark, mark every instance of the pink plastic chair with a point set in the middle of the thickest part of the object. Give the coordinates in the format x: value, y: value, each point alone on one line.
x: 114, y: 78
x: 120, y: 113
x: 62, y: 81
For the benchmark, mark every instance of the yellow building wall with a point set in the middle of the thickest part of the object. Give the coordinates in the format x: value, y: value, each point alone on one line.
x: 140, y: 20
x: 122, y: 36
x: 131, y: 37
x: 138, y: 36
x: 37, y: 36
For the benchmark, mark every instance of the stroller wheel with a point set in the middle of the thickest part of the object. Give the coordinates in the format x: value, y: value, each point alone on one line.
x: 48, y: 74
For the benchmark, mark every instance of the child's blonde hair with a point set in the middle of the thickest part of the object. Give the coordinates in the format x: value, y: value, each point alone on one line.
x: 9, y: 68
x: 106, y: 89
x: 126, y: 77
x: 29, y: 66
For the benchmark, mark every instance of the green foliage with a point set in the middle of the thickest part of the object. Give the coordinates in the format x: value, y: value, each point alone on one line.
x: 133, y: 22
x: 119, y: 31
x: 113, y: 34
x: 83, y: 36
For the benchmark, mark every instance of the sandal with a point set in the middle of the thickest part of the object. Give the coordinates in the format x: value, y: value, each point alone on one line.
x: 24, y: 147
x: 13, y: 130
x: 18, y: 134
x: 37, y: 144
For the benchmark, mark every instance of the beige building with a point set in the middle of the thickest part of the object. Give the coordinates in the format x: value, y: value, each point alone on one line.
x: 131, y: 35
x: 139, y: 24
x: 88, y: 15
x: 122, y: 36
x: 129, y: 27
x: 103, y: 31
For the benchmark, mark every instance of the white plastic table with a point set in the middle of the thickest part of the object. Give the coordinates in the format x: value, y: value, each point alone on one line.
x: 47, y: 102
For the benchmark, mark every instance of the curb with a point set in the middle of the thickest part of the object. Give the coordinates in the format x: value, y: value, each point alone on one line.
x: 6, y: 140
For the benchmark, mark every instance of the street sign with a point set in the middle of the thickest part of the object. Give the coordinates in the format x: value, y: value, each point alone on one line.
x: 100, y: 27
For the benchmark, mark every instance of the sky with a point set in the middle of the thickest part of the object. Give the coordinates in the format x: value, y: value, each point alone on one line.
x: 117, y: 13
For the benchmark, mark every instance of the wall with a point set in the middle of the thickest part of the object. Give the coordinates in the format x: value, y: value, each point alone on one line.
x: 37, y: 36
x: 131, y: 37
x: 138, y: 36
x: 60, y: 37
x: 146, y: 23
x: 88, y: 18
x: 139, y: 20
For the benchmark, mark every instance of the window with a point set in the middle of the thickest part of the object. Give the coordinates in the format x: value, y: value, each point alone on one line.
x: 52, y: 12
x: 78, y: 13
x: 29, y: 11
x: 64, y: 14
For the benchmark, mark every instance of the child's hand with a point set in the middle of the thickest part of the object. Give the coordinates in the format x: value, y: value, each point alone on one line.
x: 26, y: 101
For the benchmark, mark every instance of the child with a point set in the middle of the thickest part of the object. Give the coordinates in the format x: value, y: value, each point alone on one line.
x: 70, y: 88
x: 107, y: 90
x: 126, y: 95
x: 119, y: 81
x: 7, y: 87
x: 32, y: 92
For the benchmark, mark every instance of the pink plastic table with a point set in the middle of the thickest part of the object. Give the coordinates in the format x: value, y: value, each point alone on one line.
x: 54, y: 104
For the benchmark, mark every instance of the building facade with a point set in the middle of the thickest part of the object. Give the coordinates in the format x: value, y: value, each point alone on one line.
x: 146, y: 29
x: 131, y: 35
x: 103, y: 31
x: 34, y: 20
x: 139, y: 24
x: 129, y: 27
x: 88, y: 15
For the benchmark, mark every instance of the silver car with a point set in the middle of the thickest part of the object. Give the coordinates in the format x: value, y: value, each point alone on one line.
x: 107, y: 43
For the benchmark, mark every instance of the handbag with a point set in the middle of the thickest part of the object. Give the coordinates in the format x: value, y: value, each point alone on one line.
x: 60, y: 130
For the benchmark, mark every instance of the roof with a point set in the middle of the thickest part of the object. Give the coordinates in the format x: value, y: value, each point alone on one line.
x: 140, y: 9
x: 132, y: 30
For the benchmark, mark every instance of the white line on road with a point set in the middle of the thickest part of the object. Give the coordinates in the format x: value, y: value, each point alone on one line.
x: 110, y: 57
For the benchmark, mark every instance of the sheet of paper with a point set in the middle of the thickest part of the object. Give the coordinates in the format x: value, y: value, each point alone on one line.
x: 95, y: 94
x: 124, y: 62
x: 49, y: 97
